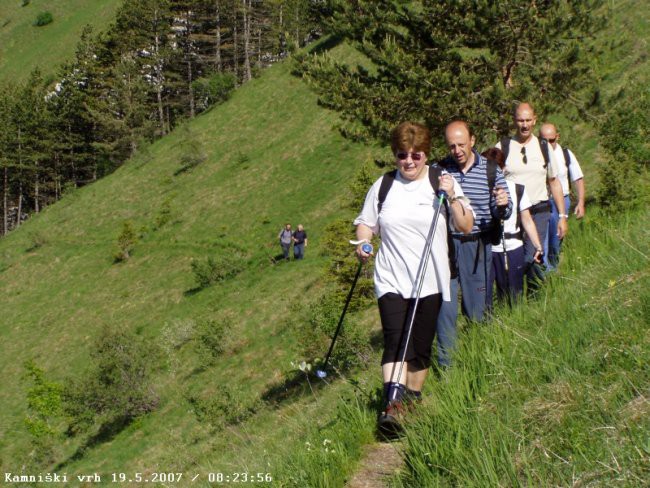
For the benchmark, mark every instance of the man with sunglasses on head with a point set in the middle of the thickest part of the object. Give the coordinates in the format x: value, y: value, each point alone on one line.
x: 530, y: 162
x: 569, y: 173
x: 473, y: 252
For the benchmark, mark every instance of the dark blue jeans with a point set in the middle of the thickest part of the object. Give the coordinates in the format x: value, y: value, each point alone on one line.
x: 536, y: 273
x: 553, y: 243
x: 510, y: 285
x: 299, y: 251
x: 446, y: 326
x: 474, y: 259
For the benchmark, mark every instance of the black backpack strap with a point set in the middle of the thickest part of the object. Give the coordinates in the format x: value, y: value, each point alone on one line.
x: 567, y: 161
x: 543, y: 145
x: 435, y: 172
x: 491, y: 174
x: 519, y: 190
x: 567, y: 157
x: 386, y: 183
x: 505, y: 146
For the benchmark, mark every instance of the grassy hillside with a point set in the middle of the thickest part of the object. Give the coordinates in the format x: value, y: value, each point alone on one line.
x: 24, y: 47
x: 549, y: 393
x: 269, y: 155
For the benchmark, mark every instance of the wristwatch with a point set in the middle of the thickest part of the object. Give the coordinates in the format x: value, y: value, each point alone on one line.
x: 563, y: 216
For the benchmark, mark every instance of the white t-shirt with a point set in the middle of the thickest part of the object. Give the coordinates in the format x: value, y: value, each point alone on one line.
x: 403, y: 224
x: 575, y: 172
x: 532, y: 174
x: 510, y: 225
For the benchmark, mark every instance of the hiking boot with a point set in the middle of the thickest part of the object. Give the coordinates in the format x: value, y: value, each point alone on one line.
x: 389, y: 421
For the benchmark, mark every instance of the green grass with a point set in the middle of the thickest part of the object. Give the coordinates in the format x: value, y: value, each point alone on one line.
x: 553, y: 392
x: 24, y: 47
x: 270, y: 157
x: 547, y: 394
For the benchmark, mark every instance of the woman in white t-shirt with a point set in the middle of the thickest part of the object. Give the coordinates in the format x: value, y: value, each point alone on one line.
x: 510, y: 280
x: 403, y: 222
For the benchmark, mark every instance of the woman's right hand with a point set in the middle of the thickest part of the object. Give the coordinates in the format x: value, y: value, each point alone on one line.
x: 361, y: 254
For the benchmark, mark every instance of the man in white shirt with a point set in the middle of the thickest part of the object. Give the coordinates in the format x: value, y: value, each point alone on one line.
x: 531, y: 163
x: 569, y: 170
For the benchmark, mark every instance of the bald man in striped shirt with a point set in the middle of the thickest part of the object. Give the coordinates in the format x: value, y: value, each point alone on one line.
x: 473, y: 252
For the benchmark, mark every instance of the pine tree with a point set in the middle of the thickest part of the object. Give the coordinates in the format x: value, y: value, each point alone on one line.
x: 432, y: 61
x: 142, y: 33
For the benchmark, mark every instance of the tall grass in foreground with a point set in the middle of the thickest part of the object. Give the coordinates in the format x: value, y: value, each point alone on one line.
x: 554, y: 392
x: 329, y: 453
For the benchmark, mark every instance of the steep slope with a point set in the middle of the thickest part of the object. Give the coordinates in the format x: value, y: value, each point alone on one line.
x: 24, y: 47
x: 269, y: 155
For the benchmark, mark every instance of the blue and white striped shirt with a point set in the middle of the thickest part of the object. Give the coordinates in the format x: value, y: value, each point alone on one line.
x: 475, y: 186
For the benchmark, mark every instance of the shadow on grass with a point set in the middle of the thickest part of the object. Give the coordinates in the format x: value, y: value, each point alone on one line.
x: 296, y: 385
x: 193, y: 291
x: 325, y: 44
x: 277, y: 259
x: 106, y: 433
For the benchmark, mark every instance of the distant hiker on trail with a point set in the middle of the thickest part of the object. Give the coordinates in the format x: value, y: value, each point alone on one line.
x: 485, y: 186
x: 400, y: 207
x: 508, y: 266
x: 286, y: 238
x: 569, y: 171
x: 299, y: 242
x: 530, y: 162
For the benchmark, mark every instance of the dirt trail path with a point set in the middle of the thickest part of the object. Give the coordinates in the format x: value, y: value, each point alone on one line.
x: 381, y: 461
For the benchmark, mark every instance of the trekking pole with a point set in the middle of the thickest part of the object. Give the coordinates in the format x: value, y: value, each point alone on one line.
x: 321, y: 373
x: 505, y: 254
x: 419, y: 280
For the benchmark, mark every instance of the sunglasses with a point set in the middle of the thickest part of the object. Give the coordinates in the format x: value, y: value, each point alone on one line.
x: 552, y: 141
x: 415, y: 156
x: 523, y: 153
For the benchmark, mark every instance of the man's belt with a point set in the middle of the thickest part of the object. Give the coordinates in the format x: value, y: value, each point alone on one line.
x: 512, y: 235
x: 473, y: 237
x: 540, y: 207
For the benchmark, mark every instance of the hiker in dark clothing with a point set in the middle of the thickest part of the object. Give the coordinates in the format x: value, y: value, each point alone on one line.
x: 508, y: 265
x: 299, y: 242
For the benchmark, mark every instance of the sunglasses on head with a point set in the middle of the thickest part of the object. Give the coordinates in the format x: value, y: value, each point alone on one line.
x: 403, y: 155
x: 523, y: 152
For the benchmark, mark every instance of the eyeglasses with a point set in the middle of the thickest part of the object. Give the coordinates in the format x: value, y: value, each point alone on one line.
x: 523, y: 153
x: 415, y: 156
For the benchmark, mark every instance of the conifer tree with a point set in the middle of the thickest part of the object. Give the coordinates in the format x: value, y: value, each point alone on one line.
x: 431, y: 60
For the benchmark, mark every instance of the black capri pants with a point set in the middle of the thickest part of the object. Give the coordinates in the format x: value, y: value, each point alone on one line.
x: 394, y: 313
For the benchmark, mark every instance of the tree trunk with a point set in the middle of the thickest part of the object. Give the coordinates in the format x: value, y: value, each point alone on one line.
x: 20, y: 177
x: 20, y: 203
x: 159, y: 78
x: 57, y: 178
x: 189, y: 87
x: 5, y: 190
x: 247, y: 39
x: 235, y: 56
x: 36, y: 191
x: 259, y: 47
x: 217, y: 58
x: 72, y: 166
